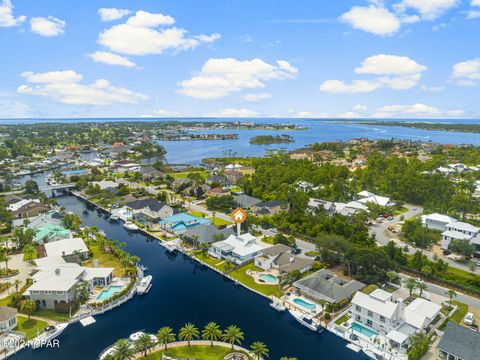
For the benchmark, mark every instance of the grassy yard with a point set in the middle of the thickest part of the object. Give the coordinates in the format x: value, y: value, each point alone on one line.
x: 342, y: 319
x: 457, y: 316
x: 181, y: 175
x: 104, y: 260
x: 196, y: 213
x: 240, y: 275
x: 312, y: 253
x: 194, y: 352
x: 268, y: 240
x: 216, y: 263
x: 30, y: 327
x: 219, y: 222
x: 52, y: 315
x: 370, y: 288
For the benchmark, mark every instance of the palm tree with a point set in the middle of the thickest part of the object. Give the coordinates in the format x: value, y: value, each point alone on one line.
x: 123, y: 350
x: 422, y: 287
x: 233, y: 334
x: 392, y: 277
x: 204, y: 247
x: 411, y: 284
x: 451, y: 294
x: 166, y: 335
x: 144, y: 343
x: 472, y: 266
x: 17, y: 283
x: 29, y: 250
x: 211, y: 332
x: 188, y: 332
x: 259, y: 349
x: 28, y: 307
x: 82, y: 290
x: 6, y: 259
x: 8, y: 285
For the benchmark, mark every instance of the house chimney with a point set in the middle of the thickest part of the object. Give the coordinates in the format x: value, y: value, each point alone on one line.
x: 63, y: 253
x: 57, y: 271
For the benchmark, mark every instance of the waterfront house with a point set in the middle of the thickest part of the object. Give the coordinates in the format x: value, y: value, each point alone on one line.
x: 458, y: 230
x: 105, y: 184
x: 280, y: 258
x: 8, y: 318
x: 50, y: 232
x: 75, y: 172
x: 238, y: 249
x: 149, y: 210
x: 270, y: 207
x: 325, y: 285
x: 56, y: 286
x: 180, y: 223
x: 71, y: 250
x: 246, y: 201
x: 378, y: 314
x: 459, y: 343
x: 126, y: 166
x: 436, y: 221
x: 366, y: 197
x: 206, y: 233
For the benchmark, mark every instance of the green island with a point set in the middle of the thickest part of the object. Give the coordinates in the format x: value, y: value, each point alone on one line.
x: 271, y: 139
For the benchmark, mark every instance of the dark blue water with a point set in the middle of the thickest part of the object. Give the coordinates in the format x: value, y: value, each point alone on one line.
x: 184, y: 291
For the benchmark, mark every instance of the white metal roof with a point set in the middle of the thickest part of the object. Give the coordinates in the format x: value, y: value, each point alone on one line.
x: 384, y: 308
x: 65, y: 247
x: 462, y: 226
x: 438, y: 217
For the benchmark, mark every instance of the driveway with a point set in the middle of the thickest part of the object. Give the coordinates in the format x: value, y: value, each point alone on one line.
x: 24, y: 267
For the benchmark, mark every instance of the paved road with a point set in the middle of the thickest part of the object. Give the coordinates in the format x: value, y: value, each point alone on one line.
x: 304, y: 246
x: 440, y: 290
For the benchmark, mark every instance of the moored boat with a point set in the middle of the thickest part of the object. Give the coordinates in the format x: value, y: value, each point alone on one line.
x: 306, y: 320
x: 130, y: 226
x: 277, y: 306
x: 114, y: 217
x: 145, y: 285
x: 50, y: 333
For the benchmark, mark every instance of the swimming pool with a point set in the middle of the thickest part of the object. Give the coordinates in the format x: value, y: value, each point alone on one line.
x: 305, y: 304
x: 268, y: 278
x: 363, y: 330
x: 108, y: 293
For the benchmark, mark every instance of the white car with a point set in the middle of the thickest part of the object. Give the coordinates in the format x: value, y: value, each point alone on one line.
x: 468, y: 319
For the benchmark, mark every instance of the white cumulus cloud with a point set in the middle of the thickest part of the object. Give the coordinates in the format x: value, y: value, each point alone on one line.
x: 65, y: 87
x: 50, y: 26
x: 418, y: 109
x: 466, y: 73
x: 391, y: 71
x: 256, y: 97
x: 6, y: 15
x: 373, y: 19
x: 110, y: 14
x: 427, y: 9
x: 220, y: 77
x: 111, y: 59
x: 232, y: 112
x: 141, y: 35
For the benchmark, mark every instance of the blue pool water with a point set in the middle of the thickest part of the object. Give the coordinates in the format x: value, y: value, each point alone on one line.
x: 363, y: 330
x: 307, y: 305
x: 108, y: 293
x: 268, y: 278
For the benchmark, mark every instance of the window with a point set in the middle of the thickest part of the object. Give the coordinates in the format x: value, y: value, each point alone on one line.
x: 369, y: 313
x: 357, y: 317
x: 358, y: 308
x: 59, y: 292
x: 48, y: 293
x: 369, y: 322
x: 382, y: 318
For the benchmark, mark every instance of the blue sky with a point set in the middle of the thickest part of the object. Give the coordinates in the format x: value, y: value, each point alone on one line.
x: 233, y: 58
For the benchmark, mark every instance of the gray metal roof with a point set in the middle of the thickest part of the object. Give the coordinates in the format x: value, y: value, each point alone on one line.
x: 206, y: 232
x: 246, y: 201
x: 324, y: 284
x: 460, y: 342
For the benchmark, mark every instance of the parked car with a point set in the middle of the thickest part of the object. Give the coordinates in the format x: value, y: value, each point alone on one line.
x: 296, y: 251
x: 446, y: 252
x: 468, y: 319
x: 474, y: 327
x: 273, y: 230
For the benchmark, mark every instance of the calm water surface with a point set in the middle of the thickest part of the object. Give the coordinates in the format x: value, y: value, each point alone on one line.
x: 184, y: 291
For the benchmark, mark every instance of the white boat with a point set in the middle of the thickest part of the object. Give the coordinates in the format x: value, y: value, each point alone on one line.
x: 114, y: 217
x: 171, y: 247
x: 145, y: 285
x: 130, y: 226
x: 135, y: 336
x: 50, y: 333
x: 277, y: 306
x: 306, y: 320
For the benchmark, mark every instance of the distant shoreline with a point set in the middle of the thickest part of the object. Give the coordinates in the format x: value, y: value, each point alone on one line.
x: 449, y: 127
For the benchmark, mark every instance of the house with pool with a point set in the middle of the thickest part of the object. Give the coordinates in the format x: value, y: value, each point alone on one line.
x: 388, y: 324
x: 239, y: 249
x: 56, y: 283
x: 179, y: 223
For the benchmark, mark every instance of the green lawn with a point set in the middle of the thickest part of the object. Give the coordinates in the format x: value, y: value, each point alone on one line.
x: 240, y: 275
x: 212, y: 261
x: 219, y: 222
x: 196, y: 213
x: 342, y: 319
x: 181, y: 175
x: 104, y: 260
x: 370, y: 288
x: 52, y: 315
x: 30, y: 327
x: 312, y: 253
x: 462, y: 310
x: 268, y: 240
x: 194, y: 352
